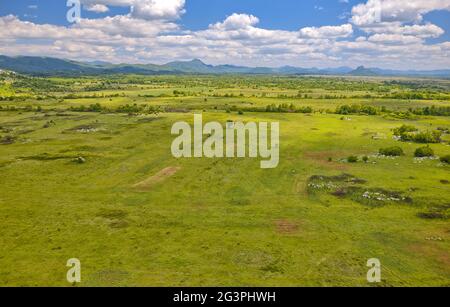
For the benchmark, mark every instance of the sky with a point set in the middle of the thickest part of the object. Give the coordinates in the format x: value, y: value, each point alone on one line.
x: 395, y: 34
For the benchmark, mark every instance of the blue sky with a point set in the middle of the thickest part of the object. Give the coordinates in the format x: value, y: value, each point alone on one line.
x: 290, y: 32
x: 281, y: 14
x: 287, y: 14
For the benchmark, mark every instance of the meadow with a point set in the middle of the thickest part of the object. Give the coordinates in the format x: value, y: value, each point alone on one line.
x: 86, y: 172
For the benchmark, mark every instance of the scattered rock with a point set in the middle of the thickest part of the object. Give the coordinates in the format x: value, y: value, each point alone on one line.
x: 434, y: 239
x: 79, y: 160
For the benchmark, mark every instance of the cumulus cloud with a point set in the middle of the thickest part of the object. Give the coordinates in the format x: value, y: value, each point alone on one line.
x: 396, y: 24
x: 423, y: 31
x: 327, y: 31
x: 396, y: 39
x: 126, y: 26
x: 144, y: 9
x: 158, y: 9
x: 236, y: 21
x: 97, y: 8
x: 375, y: 11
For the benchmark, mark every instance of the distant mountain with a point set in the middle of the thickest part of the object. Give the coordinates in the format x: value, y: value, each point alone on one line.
x: 99, y: 63
x: 194, y: 66
x: 444, y: 73
x: 362, y: 71
x: 45, y: 66
x: 340, y: 70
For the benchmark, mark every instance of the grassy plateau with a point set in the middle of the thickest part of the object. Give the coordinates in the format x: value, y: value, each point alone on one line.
x: 86, y: 172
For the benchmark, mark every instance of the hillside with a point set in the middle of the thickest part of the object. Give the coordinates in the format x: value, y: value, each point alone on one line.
x: 46, y: 66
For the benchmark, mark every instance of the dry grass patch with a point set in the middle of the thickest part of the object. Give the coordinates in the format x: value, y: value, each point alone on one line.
x: 431, y: 250
x: 157, y: 178
x: 286, y: 227
x: 322, y: 158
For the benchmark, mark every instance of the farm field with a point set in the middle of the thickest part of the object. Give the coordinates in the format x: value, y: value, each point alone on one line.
x: 87, y: 172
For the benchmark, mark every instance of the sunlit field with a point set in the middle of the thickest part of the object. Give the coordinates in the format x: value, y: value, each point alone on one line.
x: 86, y: 171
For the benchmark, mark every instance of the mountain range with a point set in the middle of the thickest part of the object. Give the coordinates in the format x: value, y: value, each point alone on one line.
x: 46, y: 66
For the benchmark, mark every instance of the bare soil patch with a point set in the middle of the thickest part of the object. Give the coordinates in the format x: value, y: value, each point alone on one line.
x: 432, y: 250
x: 322, y: 158
x: 157, y: 178
x: 286, y: 227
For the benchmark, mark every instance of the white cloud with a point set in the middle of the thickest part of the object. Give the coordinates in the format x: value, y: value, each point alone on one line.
x: 158, y: 9
x: 146, y: 9
x: 327, y: 31
x: 395, y: 11
x: 423, y: 31
x: 236, y: 22
x: 97, y: 8
x: 396, y: 39
x: 126, y: 26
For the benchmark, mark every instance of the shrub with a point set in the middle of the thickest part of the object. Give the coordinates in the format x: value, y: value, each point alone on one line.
x: 404, y: 129
x: 365, y: 159
x: 425, y: 137
x: 356, y: 109
x: 7, y: 140
x: 412, y: 134
x: 392, y: 151
x: 433, y: 110
x: 352, y: 159
x: 424, y: 152
x: 431, y: 215
x: 285, y: 108
x: 445, y: 159
x: 443, y: 130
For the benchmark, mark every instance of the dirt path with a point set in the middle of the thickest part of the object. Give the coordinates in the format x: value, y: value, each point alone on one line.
x: 157, y: 178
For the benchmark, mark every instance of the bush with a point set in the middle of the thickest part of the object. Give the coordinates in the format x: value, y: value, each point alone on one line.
x: 352, y: 159
x: 404, y: 129
x: 7, y: 140
x: 425, y: 137
x: 356, y: 109
x: 445, y: 159
x: 424, y: 152
x: 392, y: 151
x: 285, y: 108
x: 365, y: 159
x: 412, y: 134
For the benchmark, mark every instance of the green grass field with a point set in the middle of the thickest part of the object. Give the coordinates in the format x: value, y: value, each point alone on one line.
x: 219, y: 222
